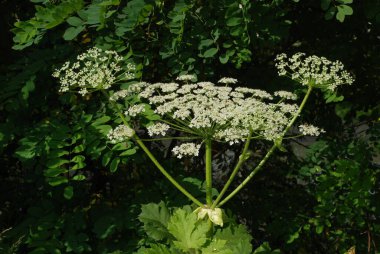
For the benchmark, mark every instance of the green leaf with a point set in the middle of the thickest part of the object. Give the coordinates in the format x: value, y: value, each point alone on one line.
x: 128, y: 152
x: 106, y: 158
x: 325, y: 4
x: 189, y: 233
x: 224, y: 58
x: 155, y: 218
x: 265, y: 249
x: 155, y: 249
x: 104, y: 226
x: 210, y: 52
x: 347, y: 10
x: 345, y: 1
x: 234, y: 21
x: 114, y: 164
x: 68, y: 192
x: 29, y: 87
x: 79, y: 177
x: 237, y: 237
x: 330, y: 13
x: 55, y: 181
x: 75, y: 21
x: 52, y: 172
x: 217, y: 246
x: 72, y: 32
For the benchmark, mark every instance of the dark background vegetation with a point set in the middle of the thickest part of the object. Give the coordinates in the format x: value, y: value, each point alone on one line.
x: 319, y: 197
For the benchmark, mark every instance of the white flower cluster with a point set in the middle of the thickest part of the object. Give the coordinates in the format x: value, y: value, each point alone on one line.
x: 214, y: 112
x: 311, y: 130
x: 313, y: 71
x: 158, y: 129
x: 186, y: 149
x: 120, y: 134
x: 186, y: 77
x: 95, y: 69
x: 226, y: 80
x: 135, y: 110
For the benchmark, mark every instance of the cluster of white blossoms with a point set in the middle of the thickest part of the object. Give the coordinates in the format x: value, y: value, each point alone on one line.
x: 95, y: 69
x: 186, y: 149
x: 313, y: 71
x: 310, y: 130
x: 208, y: 111
x: 120, y: 133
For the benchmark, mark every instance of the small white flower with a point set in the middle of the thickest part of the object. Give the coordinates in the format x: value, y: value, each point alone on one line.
x: 313, y: 71
x: 186, y: 149
x: 158, y: 129
x: 286, y: 95
x: 310, y: 130
x: 120, y: 134
x: 186, y: 77
x: 95, y: 69
x: 226, y: 80
x: 135, y: 110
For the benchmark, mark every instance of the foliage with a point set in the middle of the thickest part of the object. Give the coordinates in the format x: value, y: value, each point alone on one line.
x: 184, y: 233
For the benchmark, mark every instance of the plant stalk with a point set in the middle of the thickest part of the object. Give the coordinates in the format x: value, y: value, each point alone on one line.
x: 242, y: 159
x: 153, y: 159
x: 270, y: 152
x: 208, y: 162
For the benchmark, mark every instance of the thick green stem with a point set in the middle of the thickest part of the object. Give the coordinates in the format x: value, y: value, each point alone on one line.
x: 153, y: 159
x: 242, y: 159
x: 270, y: 152
x: 208, y: 162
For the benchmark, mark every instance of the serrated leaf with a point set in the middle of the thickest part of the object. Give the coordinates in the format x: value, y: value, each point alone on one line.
x: 217, y: 246
x: 155, y: 218
x: 68, y: 192
x: 189, y: 233
x: 155, y: 249
x: 237, y: 237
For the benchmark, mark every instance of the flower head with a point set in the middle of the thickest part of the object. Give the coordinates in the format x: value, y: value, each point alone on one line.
x: 313, y: 71
x: 310, y: 130
x: 96, y: 69
x: 186, y: 149
x: 120, y: 134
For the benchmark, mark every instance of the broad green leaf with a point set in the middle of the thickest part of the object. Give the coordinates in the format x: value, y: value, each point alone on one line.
x: 217, y: 246
x: 72, y: 32
x: 330, y: 13
x: 234, y: 21
x: 210, y: 52
x: 347, y: 10
x: 345, y: 1
x: 189, y: 233
x: 155, y: 249
x: 68, y: 192
x: 155, y: 218
x: 237, y: 237
x: 74, y: 21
